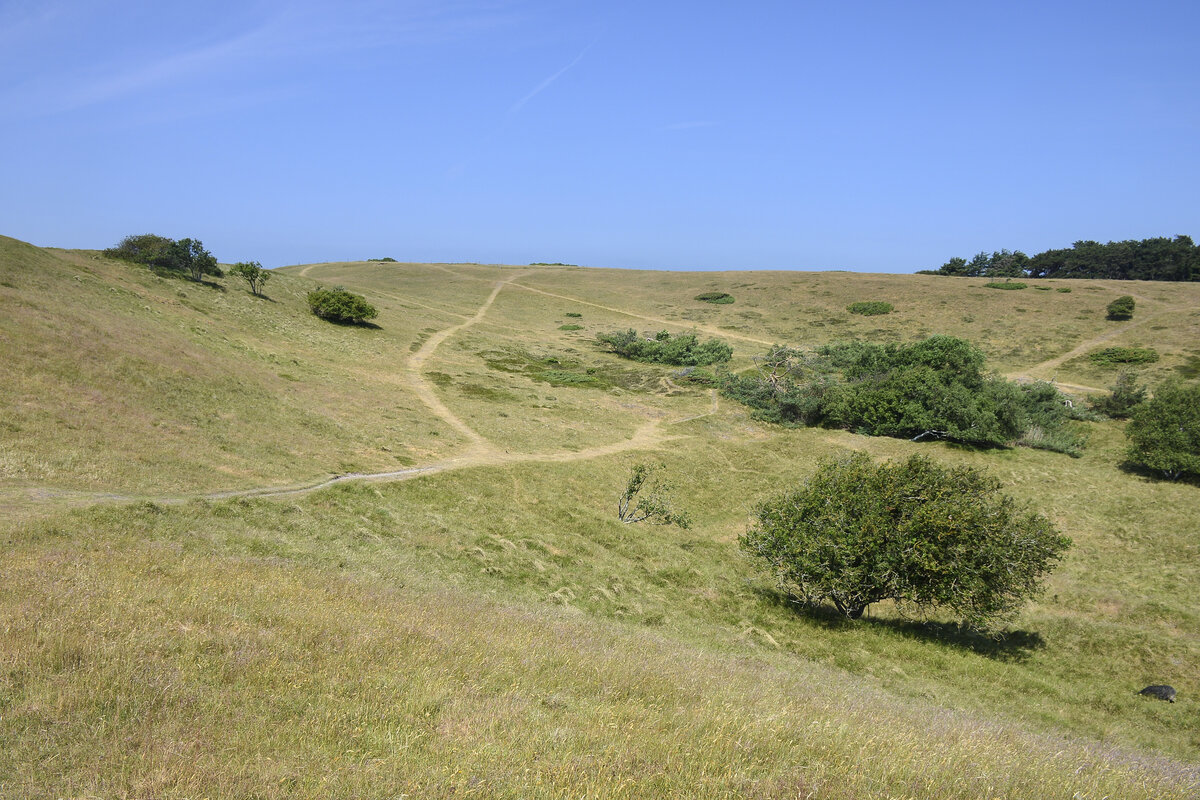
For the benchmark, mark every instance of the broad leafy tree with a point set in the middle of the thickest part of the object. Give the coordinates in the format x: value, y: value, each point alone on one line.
x: 1164, y: 432
x: 915, y: 532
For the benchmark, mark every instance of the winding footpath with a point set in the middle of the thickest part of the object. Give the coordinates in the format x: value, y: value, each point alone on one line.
x: 479, y: 453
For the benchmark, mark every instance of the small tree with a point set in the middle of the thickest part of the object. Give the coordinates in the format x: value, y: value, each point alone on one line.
x: 252, y: 273
x: 1121, y: 308
x: 189, y: 255
x: 338, y: 305
x: 915, y: 532
x: 1125, y: 395
x: 654, y: 505
x: 1164, y: 433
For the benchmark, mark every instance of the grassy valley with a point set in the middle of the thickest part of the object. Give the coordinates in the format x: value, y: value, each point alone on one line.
x: 191, y: 608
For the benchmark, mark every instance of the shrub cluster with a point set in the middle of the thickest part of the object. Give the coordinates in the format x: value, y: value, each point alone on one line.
x: 717, y: 298
x: 1117, y: 356
x: 933, y: 388
x: 1125, y: 395
x: 1006, y: 285
x: 186, y: 256
x: 684, y: 350
x: 339, y: 305
x: 870, y: 308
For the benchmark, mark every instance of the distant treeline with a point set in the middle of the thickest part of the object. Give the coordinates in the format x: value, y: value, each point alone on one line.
x: 1158, y: 259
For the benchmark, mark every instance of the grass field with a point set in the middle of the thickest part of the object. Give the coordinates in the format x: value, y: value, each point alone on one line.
x: 482, y: 625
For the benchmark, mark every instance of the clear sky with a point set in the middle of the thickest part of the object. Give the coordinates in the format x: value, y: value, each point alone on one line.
x: 868, y: 136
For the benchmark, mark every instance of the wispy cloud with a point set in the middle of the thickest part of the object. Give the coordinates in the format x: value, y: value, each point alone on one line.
x: 541, y: 87
x: 277, y: 32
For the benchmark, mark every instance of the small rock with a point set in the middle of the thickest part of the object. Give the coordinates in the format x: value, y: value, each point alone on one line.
x: 1160, y: 692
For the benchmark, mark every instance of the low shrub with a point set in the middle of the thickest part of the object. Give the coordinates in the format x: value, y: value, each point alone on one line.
x: 1064, y: 289
x: 870, y: 308
x: 1117, y: 356
x: 1006, y: 285
x: 717, y: 298
x: 1121, y: 308
x: 575, y: 314
x: 684, y: 350
x: 339, y: 305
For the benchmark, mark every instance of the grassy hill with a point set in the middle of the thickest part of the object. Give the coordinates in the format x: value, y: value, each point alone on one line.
x: 480, y: 623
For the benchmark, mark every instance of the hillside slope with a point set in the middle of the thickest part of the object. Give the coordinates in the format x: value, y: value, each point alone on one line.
x: 483, y: 623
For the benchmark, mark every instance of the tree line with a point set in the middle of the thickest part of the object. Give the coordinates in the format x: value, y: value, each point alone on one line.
x: 1156, y: 259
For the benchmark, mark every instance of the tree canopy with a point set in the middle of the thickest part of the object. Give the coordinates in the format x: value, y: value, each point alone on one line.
x: 915, y: 532
x: 339, y: 305
x: 1156, y: 259
x: 187, y: 256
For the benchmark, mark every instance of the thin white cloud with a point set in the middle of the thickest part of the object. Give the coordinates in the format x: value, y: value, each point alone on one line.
x: 541, y: 87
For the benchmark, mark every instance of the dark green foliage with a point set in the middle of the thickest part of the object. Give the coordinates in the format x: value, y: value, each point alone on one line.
x: 1156, y: 259
x: 339, y: 305
x: 653, y: 506
x: 932, y: 389
x: 717, y: 298
x: 914, y: 532
x: 186, y: 255
x: 252, y: 273
x: 146, y: 248
x: 1119, y: 356
x: 1064, y: 289
x: 1125, y: 396
x: 870, y: 308
x: 1005, y: 285
x: 683, y: 350
x: 1164, y: 432
x: 575, y: 314
x: 1121, y: 308
x: 385, y: 260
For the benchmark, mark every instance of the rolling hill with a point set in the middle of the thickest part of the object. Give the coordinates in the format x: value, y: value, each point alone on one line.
x: 252, y: 553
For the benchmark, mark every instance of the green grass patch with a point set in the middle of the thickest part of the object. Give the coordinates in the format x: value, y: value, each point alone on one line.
x: 1005, y: 285
x: 570, y: 327
x: 716, y: 298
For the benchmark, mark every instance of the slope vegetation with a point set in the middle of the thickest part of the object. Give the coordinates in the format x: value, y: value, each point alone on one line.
x: 252, y: 553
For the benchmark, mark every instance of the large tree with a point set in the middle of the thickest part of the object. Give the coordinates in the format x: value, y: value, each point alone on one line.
x: 915, y: 532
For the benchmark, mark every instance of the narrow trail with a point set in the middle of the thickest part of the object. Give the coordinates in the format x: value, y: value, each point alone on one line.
x: 1038, y: 371
x: 480, y: 452
x: 656, y: 320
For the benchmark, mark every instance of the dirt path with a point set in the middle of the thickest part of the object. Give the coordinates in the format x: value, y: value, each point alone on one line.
x: 1039, y: 371
x: 656, y: 320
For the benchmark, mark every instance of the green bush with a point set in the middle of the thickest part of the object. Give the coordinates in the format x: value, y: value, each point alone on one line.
x: 339, y: 305
x: 575, y: 314
x: 186, y: 255
x: 1164, y: 432
x: 1125, y: 395
x: 857, y: 533
x: 1064, y: 289
x: 870, y: 308
x: 931, y: 389
x: 718, y: 298
x: 1121, y: 308
x: 1117, y: 356
x: 1005, y: 285
x: 684, y: 350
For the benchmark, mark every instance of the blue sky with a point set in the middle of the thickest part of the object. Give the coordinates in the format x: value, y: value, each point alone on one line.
x: 868, y: 136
